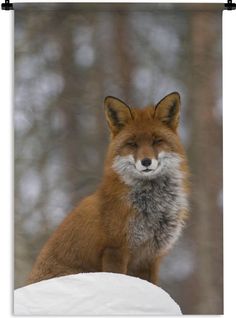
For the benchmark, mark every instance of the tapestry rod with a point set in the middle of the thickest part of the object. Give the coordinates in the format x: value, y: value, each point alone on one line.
x: 9, y: 6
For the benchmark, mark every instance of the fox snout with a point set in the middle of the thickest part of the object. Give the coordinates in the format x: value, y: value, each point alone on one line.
x: 146, y: 164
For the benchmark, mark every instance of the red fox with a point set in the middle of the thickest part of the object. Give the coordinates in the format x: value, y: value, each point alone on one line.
x: 140, y: 206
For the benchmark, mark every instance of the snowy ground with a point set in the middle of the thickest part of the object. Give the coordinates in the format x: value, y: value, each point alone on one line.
x: 94, y: 294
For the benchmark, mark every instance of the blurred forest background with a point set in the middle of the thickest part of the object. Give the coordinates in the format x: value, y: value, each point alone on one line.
x: 67, y: 59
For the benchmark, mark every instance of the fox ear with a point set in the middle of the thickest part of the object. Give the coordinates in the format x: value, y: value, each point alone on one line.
x: 168, y: 109
x: 117, y: 113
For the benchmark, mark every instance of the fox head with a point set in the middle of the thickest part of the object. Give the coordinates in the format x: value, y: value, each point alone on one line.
x: 144, y: 142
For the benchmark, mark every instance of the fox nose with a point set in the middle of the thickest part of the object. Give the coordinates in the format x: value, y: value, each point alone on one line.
x: 146, y: 162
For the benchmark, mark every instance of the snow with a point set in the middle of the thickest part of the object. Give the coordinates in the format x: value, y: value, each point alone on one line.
x: 94, y: 294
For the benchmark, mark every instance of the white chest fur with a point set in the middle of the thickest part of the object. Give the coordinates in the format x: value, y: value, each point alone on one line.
x: 157, y: 205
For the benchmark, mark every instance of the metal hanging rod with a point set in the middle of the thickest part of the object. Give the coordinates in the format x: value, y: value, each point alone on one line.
x: 9, y: 6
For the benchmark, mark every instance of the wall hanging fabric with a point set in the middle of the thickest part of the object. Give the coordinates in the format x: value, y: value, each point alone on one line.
x: 68, y: 58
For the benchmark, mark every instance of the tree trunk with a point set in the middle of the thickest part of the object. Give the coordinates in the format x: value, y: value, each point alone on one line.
x: 205, y: 157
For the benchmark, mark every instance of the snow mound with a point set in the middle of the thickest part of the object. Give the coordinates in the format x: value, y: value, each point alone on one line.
x: 94, y: 294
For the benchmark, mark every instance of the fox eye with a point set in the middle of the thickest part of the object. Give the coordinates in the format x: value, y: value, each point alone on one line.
x: 157, y: 141
x: 132, y: 144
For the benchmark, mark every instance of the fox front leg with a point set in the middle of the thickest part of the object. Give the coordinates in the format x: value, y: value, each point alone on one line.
x: 115, y: 260
x: 149, y: 272
x: 154, y: 270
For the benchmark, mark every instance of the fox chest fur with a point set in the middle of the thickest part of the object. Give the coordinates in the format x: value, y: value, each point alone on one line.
x: 157, y: 205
